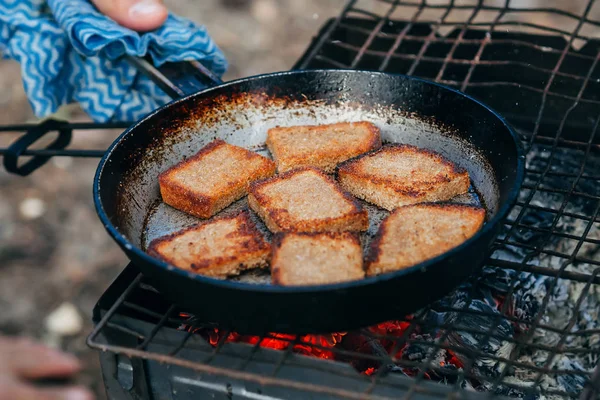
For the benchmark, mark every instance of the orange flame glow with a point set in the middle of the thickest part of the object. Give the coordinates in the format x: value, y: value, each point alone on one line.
x: 321, y: 345
x: 308, y: 345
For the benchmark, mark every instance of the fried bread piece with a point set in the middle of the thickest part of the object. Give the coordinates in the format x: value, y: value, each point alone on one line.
x: 217, y: 248
x: 321, y: 146
x: 316, y: 258
x: 399, y: 175
x: 415, y: 233
x: 212, y: 179
x: 306, y: 200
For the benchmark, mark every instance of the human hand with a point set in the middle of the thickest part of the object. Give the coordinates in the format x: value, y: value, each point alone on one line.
x: 23, y: 361
x: 138, y: 15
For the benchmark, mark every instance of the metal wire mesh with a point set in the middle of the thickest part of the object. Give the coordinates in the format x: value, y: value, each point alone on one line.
x: 528, y: 325
x: 378, y: 348
x: 506, y: 331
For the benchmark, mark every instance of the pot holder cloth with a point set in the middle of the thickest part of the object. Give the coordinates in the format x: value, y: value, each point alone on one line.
x: 69, y: 52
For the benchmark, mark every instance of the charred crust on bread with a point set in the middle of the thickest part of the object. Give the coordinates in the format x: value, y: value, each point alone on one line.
x: 215, y: 144
x: 375, y: 250
x: 400, y: 148
x: 256, y: 185
x: 244, y: 214
x: 187, y: 200
x: 276, y: 276
x: 207, y: 201
x: 277, y: 239
x: 375, y: 247
x: 276, y: 242
x: 322, y: 157
x: 352, y: 167
x: 375, y: 142
x: 254, y: 243
x: 280, y: 236
x: 280, y: 264
x: 283, y: 220
x: 209, y: 148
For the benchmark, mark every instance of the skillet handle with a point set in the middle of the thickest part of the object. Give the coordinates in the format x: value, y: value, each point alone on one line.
x: 177, y: 79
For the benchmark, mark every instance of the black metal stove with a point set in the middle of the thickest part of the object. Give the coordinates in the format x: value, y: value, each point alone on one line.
x: 527, y: 326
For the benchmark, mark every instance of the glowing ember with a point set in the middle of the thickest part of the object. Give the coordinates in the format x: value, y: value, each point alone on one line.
x: 308, y: 345
x: 453, y: 360
x: 394, y: 329
x: 391, y: 337
x: 370, y: 371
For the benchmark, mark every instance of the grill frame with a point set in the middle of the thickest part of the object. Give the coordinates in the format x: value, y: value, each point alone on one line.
x: 558, y: 136
x: 314, y: 59
x: 115, y: 320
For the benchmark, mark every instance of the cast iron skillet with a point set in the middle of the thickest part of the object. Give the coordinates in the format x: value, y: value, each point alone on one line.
x: 406, y: 109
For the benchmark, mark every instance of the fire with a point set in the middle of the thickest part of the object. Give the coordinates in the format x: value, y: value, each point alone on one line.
x: 393, y: 340
x: 390, y: 328
x: 395, y: 329
x: 308, y: 345
x: 452, y: 359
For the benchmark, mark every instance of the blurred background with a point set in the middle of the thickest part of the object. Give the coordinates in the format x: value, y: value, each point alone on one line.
x: 55, y: 258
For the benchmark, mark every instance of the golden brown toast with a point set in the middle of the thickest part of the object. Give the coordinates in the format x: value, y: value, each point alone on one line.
x: 217, y: 248
x: 215, y: 177
x: 316, y: 258
x: 415, y: 233
x: 306, y: 200
x: 321, y: 146
x: 399, y: 175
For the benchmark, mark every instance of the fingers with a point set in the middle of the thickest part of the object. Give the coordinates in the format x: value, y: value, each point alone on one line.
x: 139, y: 15
x: 22, y: 360
x: 29, y: 360
x: 26, y: 392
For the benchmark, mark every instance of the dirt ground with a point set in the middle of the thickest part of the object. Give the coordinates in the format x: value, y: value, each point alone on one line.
x: 53, y: 249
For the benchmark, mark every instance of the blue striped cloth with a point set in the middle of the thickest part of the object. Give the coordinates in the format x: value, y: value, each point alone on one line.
x: 69, y: 52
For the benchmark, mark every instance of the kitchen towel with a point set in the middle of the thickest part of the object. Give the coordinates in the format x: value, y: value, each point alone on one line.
x: 69, y: 52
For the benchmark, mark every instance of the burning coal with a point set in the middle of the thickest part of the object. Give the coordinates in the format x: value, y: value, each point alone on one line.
x: 495, y: 332
x: 308, y: 345
x: 408, y: 345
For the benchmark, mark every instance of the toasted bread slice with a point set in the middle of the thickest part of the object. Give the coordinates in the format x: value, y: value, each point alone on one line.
x: 399, y: 175
x: 316, y: 258
x: 321, y: 146
x: 415, y: 233
x: 306, y: 200
x: 218, y: 248
x: 212, y: 179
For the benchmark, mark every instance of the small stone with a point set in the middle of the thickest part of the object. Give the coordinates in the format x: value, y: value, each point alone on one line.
x: 64, y: 321
x: 32, y: 208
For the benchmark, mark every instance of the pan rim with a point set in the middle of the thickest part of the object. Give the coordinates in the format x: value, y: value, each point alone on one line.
x: 125, y: 244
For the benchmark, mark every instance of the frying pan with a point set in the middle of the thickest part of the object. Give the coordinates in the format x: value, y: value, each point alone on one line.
x: 406, y: 109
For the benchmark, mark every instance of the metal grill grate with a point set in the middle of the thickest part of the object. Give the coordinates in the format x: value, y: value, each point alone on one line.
x: 161, y: 339
x: 528, y: 324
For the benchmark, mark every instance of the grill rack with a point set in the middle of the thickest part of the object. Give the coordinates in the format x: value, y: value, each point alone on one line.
x: 159, y: 340
x: 557, y: 91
